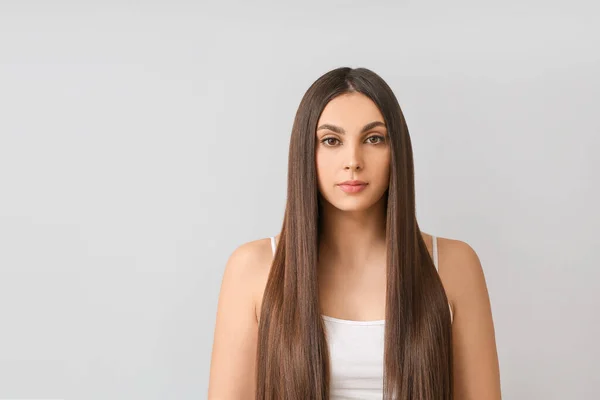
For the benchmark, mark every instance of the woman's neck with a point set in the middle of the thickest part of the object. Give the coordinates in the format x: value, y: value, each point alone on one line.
x: 351, y: 238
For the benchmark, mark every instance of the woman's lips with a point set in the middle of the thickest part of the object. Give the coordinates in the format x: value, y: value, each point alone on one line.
x: 352, y: 188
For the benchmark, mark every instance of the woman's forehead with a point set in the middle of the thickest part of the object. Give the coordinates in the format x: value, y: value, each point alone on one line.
x: 351, y: 110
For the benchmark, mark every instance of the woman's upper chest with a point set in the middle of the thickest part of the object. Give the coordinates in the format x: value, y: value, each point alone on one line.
x: 353, y: 294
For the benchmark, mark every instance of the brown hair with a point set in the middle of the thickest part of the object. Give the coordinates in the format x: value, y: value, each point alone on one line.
x: 293, y: 357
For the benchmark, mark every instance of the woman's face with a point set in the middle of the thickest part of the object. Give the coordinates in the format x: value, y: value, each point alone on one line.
x: 352, y: 144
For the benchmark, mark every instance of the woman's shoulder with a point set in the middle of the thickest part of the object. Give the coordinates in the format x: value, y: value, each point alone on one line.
x: 254, y: 250
x: 250, y: 262
x: 460, y: 269
x: 456, y: 256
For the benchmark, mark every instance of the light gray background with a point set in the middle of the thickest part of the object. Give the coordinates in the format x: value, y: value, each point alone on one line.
x: 139, y: 145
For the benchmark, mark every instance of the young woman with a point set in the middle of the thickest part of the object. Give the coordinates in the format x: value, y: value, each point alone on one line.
x: 351, y: 300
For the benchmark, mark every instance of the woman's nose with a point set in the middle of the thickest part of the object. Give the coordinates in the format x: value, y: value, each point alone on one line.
x: 354, y: 162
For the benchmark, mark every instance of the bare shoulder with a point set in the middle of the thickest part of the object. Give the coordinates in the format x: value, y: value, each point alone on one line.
x: 460, y: 269
x: 249, y: 265
x: 248, y: 258
x: 236, y: 328
x: 477, y: 374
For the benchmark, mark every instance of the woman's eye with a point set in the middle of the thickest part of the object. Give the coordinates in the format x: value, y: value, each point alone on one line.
x: 380, y: 139
x: 327, y: 141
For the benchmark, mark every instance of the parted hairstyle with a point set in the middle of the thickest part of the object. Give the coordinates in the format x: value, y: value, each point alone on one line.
x: 292, y: 357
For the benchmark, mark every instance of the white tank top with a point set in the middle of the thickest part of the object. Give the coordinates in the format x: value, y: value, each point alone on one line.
x: 356, y: 353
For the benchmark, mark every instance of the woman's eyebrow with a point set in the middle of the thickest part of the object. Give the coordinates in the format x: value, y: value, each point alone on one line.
x: 341, y: 131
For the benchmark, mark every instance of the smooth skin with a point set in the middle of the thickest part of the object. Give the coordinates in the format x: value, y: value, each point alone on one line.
x: 351, y: 270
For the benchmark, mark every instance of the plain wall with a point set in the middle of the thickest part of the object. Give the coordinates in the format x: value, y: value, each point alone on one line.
x: 141, y: 144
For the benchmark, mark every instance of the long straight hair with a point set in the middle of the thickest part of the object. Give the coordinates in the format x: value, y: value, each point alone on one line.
x: 292, y: 356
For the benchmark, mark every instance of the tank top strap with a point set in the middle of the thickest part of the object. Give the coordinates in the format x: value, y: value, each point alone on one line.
x: 273, y: 244
x: 435, y: 252
x: 436, y: 262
